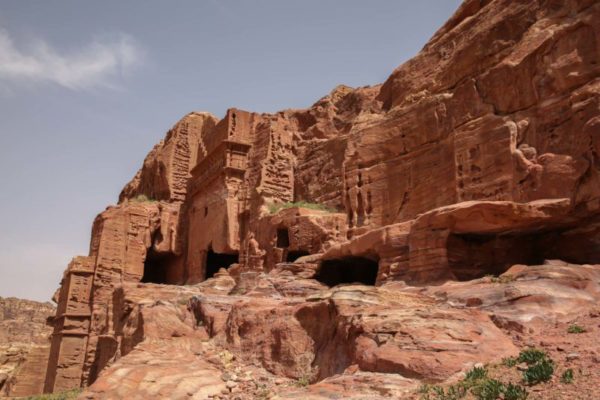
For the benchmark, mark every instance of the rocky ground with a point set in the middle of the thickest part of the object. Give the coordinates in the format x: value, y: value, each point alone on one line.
x: 24, y: 345
x: 289, y: 337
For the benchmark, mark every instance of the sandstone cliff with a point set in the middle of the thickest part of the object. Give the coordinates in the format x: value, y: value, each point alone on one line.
x: 473, y: 159
x: 24, y: 345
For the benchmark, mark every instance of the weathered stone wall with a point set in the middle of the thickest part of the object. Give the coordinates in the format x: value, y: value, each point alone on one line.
x: 295, y: 232
x: 24, y: 346
x: 165, y: 173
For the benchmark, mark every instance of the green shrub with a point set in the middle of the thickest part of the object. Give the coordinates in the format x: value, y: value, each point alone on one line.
x: 488, y: 389
x: 567, y: 376
x: 575, y: 329
x: 476, y: 374
x: 454, y: 392
x: 479, y: 385
x: 515, y: 392
x: 142, y: 198
x: 509, y: 362
x: 424, y: 388
x: 539, y: 372
x: 531, y: 356
x: 67, y: 395
x: 303, y: 381
x: 275, y: 207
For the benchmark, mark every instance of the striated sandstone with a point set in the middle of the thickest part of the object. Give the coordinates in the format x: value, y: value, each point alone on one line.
x: 352, y: 341
x: 24, y: 346
x: 167, y: 167
x: 528, y: 295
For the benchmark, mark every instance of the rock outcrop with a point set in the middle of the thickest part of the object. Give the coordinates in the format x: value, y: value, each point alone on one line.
x: 215, y: 340
x: 478, y: 157
x: 24, y: 346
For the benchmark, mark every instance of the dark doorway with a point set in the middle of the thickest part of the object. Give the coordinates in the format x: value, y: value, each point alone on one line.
x: 472, y: 256
x: 294, y: 255
x: 216, y: 261
x: 283, y: 238
x: 156, y: 267
x: 348, y: 270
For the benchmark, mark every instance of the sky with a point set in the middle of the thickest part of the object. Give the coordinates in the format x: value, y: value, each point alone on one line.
x: 87, y: 88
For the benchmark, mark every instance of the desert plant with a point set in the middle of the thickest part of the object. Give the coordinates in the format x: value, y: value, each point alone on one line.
x: 476, y: 374
x: 575, y: 329
x: 306, y: 370
x: 456, y: 392
x: 509, y: 362
x: 539, y: 372
x: 515, y: 392
x: 275, y: 207
x: 303, y: 381
x: 424, y: 388
x: 142, y: 198
x: 478, y: 383
x: 488, y: 389
x: 67, y: 395
x: 567, y: 376
x: 453, y: 392
x: 531, y: 356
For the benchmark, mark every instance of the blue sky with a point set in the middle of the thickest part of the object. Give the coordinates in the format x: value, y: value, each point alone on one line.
x: 87, y: 88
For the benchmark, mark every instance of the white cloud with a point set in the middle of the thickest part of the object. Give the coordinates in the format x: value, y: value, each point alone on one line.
x: 100, y: 63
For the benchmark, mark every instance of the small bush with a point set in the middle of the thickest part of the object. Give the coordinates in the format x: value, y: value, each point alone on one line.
x: 575, y: 329
x: 539, y: 372
x: 509, y: 362
x: 424, y: 388
x: 488, y: 389
x: 531, y: 356
x: 275, y: 207
x: 303, y: 381
x: 515, y: 392
x: 567, y: 376
x: 142, y: 198
x: 67, y: 395
x: 476, y: 374
x: 454, y: 392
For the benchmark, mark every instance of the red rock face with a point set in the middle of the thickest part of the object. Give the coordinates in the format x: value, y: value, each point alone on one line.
x: 24, y: 346
x: 166, y: 168
x: 478, y: 154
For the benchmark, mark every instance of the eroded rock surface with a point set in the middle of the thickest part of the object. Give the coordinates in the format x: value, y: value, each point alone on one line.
x: 24, y: 345
x: 351, y: 341
x: 525, y: 296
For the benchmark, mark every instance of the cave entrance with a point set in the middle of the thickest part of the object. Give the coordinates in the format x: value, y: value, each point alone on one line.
x: 472, y: 256
x: 216, y: 261
x: 157, y: 267
x: 283, y: 238
x: 348, y: 270
x: 292, y: 256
